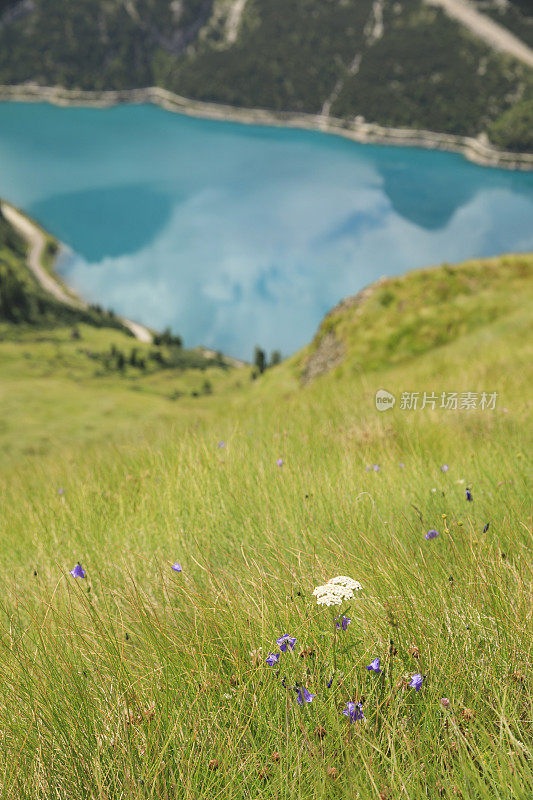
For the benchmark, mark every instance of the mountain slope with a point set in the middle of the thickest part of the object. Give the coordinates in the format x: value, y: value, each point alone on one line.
x: 392, y: 63
x: 161, y: 686
x: 396, y: 319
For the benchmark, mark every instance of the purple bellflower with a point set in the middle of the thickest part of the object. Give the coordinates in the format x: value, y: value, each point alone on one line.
x: 77, y: 571
x: 285, y: 641
x: 303, y: 696
x: 342, y: 622
x: 353, y: 711
x: 273, y: 658
x: 416, y: 681
x: 375, y: 666
x: 176, y: 567
x: 432, y: 534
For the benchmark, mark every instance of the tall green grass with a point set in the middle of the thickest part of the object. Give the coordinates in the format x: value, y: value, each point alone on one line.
x: 139, y: 682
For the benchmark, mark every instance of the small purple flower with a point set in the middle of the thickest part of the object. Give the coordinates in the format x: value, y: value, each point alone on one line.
x: 77, y: 571
x: 375, y: 666
x: 61, y: 491
x: 469, y: 495
x: 303, y: 696
x: 485, y: 529
x: 279, y: 462
x: 221, y: 444
x: 353, y: 711
x: 401, y: 465
x: 329, y: 683
x: 342, y: 622
x: 273, y: 658
x: 285, y: 641
x: 416, y: 681
x: 376, y: 467
x: 176, y: 567
x: 367, y: 468
x: 444, y: 468
x: 432, y: 534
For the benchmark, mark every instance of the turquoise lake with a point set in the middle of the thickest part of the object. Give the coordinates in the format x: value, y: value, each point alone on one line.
x: 237, y: 235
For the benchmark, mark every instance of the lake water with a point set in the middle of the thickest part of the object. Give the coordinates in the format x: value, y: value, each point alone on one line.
x: 238, y: 235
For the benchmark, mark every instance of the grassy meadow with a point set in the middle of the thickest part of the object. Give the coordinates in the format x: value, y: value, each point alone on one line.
x: 139, y: 681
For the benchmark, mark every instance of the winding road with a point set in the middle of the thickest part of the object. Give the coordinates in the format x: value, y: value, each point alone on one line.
x: 36, y: 244
x: 486, y: 28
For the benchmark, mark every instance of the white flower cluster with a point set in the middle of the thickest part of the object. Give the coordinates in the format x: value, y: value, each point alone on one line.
x: 336, y: 591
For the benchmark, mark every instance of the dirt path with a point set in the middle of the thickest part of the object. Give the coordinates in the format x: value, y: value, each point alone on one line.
x: 36, y: 244
x: 486, y: 28
x: 234, y: 20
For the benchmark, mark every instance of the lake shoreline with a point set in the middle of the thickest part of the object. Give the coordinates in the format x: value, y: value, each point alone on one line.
x: 478, y: 151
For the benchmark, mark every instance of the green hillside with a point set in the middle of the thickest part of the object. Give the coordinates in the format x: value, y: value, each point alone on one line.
x: 53, y: 357
x: 392, y: 63
x: 139, y: 681
x: 24, y: 303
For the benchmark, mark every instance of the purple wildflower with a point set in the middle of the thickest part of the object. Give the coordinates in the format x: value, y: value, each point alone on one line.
x: 329, y: 683
x: 485, y: 529
x: 444, y: 468
x: 353, y: 711
x: 61, y: 491
x: 279, y: 462
x: 401, y: 465
x: 432, y: 534
x: 416, y: 681
x: 77, y: 571
x: 375, y: 467
x: 342, y: 622
x: 273, y: 658
x: 375, y: 666
x: 221, y: 444
x: 367, y: 468
x: 303, y: 696
x: 285, y: 640
x: 176, y: 567
x: 469, y: 495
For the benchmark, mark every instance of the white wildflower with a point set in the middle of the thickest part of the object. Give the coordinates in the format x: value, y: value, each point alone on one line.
x: 336, y: 591
x: 341, y: 591
x: 330, y: 599
x: 342, y: 580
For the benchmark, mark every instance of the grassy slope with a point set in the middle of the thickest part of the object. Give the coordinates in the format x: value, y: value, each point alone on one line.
x: 82, y: 662
x: 59, y: 379
x: 22, y: 299
x: 54, y: 390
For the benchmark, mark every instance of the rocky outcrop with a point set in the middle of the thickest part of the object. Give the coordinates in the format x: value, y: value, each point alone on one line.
x: 329, y: 349
x: 328, y: 355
